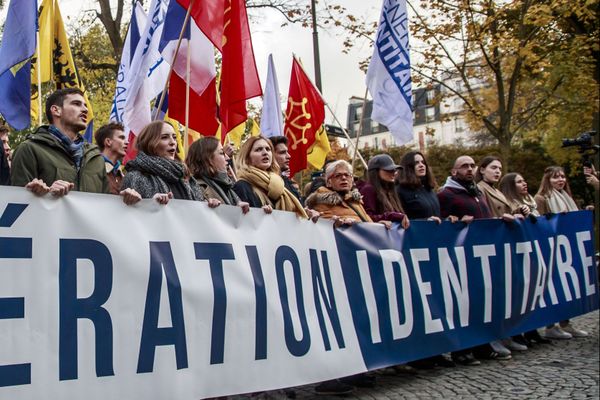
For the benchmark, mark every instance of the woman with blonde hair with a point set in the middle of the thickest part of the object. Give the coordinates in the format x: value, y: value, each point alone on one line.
x: 554, y: 196
x: 259, y: 182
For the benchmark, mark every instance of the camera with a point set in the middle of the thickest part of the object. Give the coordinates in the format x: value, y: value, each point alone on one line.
x: 583, y: 141
x: 585, y: 146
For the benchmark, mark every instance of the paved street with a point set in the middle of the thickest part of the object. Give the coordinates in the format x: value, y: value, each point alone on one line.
x: 562, y: 370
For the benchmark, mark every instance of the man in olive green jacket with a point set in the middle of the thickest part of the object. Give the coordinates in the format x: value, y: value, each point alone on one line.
x: 55, y: 158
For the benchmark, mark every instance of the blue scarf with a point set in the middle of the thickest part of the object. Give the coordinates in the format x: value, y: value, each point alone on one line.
x: 116, y: 166
x: 73, y: 147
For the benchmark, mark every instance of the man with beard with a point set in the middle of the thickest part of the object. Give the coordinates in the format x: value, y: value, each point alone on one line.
x: 282, y: 156
x: 55, y: 158
x: 112, y: 142
x: 461, y: 197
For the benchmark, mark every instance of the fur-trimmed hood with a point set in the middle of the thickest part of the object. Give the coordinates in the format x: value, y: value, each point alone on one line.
x: 326, y: 196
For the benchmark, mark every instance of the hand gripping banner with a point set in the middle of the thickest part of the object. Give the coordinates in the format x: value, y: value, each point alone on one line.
x: 99, y: 300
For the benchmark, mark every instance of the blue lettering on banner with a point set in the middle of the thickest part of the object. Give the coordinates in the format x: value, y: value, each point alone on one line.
x: 72, y: 308
x: 14, y: 307
x: 285, y: 255
x: 412, y: 295
x: 215, y: 253
x: 325, y: 298
x: 161, y: 259
x: 260, y: 293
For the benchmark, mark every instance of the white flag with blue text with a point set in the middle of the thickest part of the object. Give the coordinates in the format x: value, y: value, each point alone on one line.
x: 388, y: 76
x: 150, y: 69
x: 124, y: 77
x: 271, y: 120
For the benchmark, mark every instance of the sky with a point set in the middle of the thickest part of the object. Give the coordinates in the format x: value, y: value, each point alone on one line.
x: 340, y: 74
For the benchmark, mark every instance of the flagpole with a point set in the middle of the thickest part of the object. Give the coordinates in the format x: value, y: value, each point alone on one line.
x: 347, y: 136
x: 360, y: 126
x: 39, y: 77
x: 187, y: 99
x: 183, y: 28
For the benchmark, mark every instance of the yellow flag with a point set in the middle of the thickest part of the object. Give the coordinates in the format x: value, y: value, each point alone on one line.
x: 54, y: 60
x: 317, y: 154
x: 236, y: 134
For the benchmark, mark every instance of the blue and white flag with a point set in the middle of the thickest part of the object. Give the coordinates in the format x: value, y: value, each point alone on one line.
x: 18, y: 46
x: 149, y: 70
x: 137, y: 24
x: 271, y: 121
x: 388, y: 76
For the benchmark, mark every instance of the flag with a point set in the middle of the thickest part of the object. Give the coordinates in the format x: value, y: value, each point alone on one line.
x: 55, y: 60
x: 124, y: 77
x: 304, y: 116
x: 209, y: 16
x: 16, y: 50
x: 271, y: 120
x: 151, y: 71
x: 202, y: 73
x: 317, y: 154
x: 388, y: 76
x: 239, y: 77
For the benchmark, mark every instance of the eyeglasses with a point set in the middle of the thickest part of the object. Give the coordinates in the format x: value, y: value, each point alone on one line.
x: 341, y: 175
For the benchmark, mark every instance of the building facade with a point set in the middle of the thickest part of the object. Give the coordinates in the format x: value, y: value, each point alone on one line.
x: 434, y: 120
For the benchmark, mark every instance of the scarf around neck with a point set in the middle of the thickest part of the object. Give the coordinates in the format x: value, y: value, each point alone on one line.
x: 270, y: 188
x: 73, y: 147
x: 163, y: 173
x: 560, y: 201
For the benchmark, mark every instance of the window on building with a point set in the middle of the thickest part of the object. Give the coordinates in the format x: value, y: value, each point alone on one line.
x: 458, y: 126
x: 376, y: 143
x: 359, y: 111
x: 430, y: 114
x: 430, y: 96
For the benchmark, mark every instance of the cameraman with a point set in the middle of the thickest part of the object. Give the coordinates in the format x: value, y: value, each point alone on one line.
x: 591, y: 177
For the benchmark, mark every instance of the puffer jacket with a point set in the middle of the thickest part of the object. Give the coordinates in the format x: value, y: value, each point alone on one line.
x: 42, y: 156
x: 330, y: 204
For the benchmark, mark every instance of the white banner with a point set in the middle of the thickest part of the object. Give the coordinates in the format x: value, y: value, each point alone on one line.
x: 80, y: 279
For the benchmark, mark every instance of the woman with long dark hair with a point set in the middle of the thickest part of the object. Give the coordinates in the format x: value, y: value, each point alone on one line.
x: 207, y: 163
x: 415, y: 185
x: 514, y: 187
x: 379, y: 195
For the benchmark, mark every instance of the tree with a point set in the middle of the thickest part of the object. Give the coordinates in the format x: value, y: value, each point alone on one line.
x: 509, y: 62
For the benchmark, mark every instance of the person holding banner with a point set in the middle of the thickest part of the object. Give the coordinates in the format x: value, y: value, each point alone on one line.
x: 379, y: 195
x: 207, y: 163
x: 487, y: 176
x: 415, y: 184
x: 554, y: 196
x: 514, y: 188
x: 259, y: 182
x: 55, y: 158
x: 461, y: 197
x: 337, y: 200
x: 157, y: 172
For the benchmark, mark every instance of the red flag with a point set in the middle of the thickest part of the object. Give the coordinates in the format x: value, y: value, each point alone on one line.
x: 304, y: 116
x: 203, y: 108
x: 209, y: 17
x: 239, y: 76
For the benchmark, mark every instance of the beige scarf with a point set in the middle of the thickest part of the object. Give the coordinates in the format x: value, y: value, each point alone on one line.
x: 560, y: 201
x: 270, y: 189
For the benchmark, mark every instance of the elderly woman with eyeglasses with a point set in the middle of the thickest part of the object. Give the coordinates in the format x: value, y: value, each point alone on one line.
x: 338, y: 200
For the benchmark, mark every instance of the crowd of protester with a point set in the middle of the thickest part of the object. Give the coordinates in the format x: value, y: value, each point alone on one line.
x: 56, y: 159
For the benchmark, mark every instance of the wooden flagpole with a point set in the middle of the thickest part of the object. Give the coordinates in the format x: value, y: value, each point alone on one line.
x: 183, y: 28
x: 39, y: 78
x: 186, y: 140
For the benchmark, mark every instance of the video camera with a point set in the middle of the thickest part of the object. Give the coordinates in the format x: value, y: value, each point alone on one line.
x: 585, y: 146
